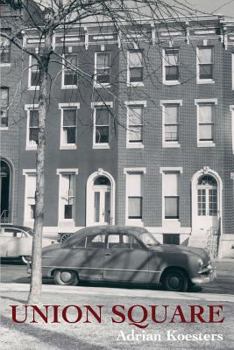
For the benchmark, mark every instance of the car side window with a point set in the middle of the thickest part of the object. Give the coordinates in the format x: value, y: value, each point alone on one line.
x: 120, y: 241
x: 95, y: 241
x: 11, y: 233
x: 135, y: 243
x: 79, y: 244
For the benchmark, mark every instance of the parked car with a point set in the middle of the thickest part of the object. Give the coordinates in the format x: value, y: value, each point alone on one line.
x: 125, y: 254
x: 16, y: 241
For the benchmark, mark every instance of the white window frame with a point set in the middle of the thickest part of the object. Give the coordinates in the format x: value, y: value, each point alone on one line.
x: 63, y: 86
x: 169, y: 82
x: 61, y: 220
x: 27, y: 220
x: 30, y: 87
x: 28, y: 108
x: 199, y: 102
x: 128, y: 105
x: 127, y: 172
x: 232, y: 121
x: 94, y: 106
x: 96, y: 83
x: 8, y: 45
x: 163, y: 171
x: 164, y: 104
x: 232, y: 71
x: 7, y: 111
x: 203, y: 81
x: 62, y: 107
x: 133, y: 83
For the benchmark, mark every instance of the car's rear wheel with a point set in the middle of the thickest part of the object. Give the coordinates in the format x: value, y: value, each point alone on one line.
x: 26, y: 259
x: 175, y: 280
x: 66, y: 278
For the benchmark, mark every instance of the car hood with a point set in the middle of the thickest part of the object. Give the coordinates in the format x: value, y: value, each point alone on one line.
x: 51, y: 247
x: 171, y: 248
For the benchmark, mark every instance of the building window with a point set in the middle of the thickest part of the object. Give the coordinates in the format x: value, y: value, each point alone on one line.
x: 30, y: 189
x: 205, y: 63
x: 134, y: 196
x: 170, y: 124
x: 205, y: 122
x: 171, y: 65
x: 135, y: 67
x: 32, y: 128
x: 69, y: 71
x: 4, y: 106
x: 101, y: 130
x: 171, y: 238
x: 34, y: 73
x: 67, y: 195
x: 135, y: 116
x: 102, y: 68
x: 207, y: 196
x: 5, y: 53
x: 171, y: 197
x: 69, y: 127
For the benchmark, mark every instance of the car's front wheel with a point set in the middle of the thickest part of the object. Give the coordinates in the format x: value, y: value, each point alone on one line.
x: 65, y: 278
x: 175, y: 280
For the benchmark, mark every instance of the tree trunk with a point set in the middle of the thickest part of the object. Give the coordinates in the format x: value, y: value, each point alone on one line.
x: 36, y: 278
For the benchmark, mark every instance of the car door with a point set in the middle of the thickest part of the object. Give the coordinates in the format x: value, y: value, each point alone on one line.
x: 126, y: 260
x: 87, y: 257
x: 6, y: 238
x: 20, y: 244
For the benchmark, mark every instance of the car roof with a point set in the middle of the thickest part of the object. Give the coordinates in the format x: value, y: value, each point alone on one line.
x: 24, y: 228
x: 110, y: 229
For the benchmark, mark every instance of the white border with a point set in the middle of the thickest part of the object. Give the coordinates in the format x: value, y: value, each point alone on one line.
x: 30, y: 87
x: 169, y: 82
x: 179, y: 103
x: 93, y: 106
x: 95, y: 83
x: 198, y: 80
x: 28, y: 108
x: 62, y: 106
x: 134, y: 103
x: 65, y: 87
x: 197, y: 103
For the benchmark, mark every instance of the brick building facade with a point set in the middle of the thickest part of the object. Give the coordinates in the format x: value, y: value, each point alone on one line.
x: 142, y: 134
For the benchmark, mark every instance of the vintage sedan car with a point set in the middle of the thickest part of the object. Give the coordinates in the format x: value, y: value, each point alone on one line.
x: 125, y: 254
x: 16, y: 241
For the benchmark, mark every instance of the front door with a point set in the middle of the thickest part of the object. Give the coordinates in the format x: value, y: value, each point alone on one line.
x: 207, y: 205
x: 102, y: 205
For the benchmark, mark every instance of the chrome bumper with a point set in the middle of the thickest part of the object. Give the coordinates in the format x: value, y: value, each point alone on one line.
x: 206, y: 275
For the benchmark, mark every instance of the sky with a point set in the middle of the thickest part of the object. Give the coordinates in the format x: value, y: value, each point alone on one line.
x: 221, y: 7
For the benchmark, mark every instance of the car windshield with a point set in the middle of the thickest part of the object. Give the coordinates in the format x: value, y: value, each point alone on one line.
x: 148, y: 239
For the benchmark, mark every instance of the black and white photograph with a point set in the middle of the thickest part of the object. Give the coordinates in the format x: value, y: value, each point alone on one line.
x: 116, y: 174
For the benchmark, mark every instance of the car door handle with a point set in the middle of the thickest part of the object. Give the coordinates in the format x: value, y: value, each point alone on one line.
x: 107, y: 254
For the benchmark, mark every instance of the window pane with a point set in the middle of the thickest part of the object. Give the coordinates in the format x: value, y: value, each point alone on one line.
x: 201, y: 201
x: 206, y: 71
x: 205, y: 113
x: 135, y: 134
x: 102, y: 116
x: 171, y: 207
x: 70, y: 60
x: 4, y: 97
x: 102, y: 134
x: 103, y: 60
x: 107, y: 207
x: 135, y: 59
x: 172, y: 73
x: 134, y: 207
x: 135, y: 115
x: 171, y: 133
x: 171, y: 238
x: 171, y: 114
x: 33, y: 135
x: 205, y: 132
x: 35, y: 78
x: 136, y: 74
x: 68, y: 211
x: 170, y: 184
x: 205, y: 56
x: 69, y: 135
x: 171, y: 58
x: 212, y: 202
x: 96, y: 206
x: 70, y: 78
x: 34, y: 118
x: 103, y: 76
x: 69, y: 117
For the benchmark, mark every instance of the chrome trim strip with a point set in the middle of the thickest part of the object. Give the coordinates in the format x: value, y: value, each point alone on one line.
x: 99, y: 268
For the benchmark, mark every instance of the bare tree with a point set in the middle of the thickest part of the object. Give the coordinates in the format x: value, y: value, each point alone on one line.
x: 45, y: 20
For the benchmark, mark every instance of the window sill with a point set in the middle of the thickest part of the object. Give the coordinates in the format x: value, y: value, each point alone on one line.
x: 28, y: 148
x: 68, y: 147
x: 33, y: 88
x: 67, y: 87
x: 134, y: 145
x: 171, y: 145
x: 206, y: 144
x: 64, y: 222
x: 101, y: 146
x: 5, y: 65
x: 4, y: 128
x: 171, y: 82
x: 134, y: 222
x: 205, y: 81
x: 135, y: 84
x: 102, y: 85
